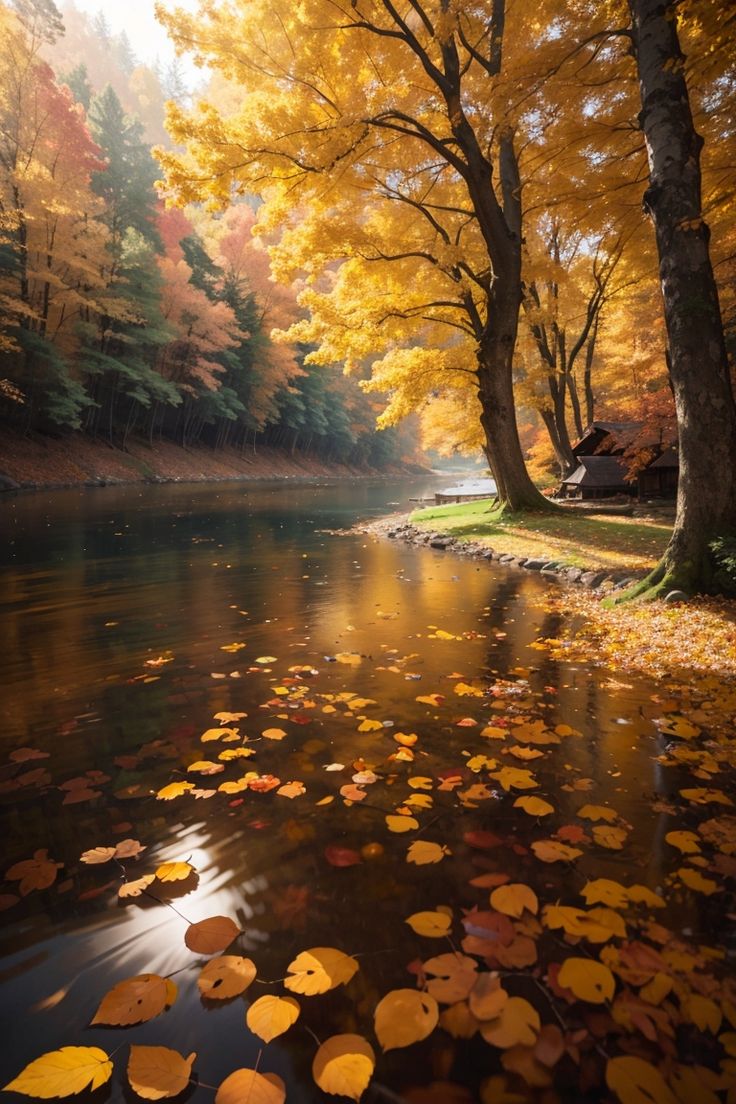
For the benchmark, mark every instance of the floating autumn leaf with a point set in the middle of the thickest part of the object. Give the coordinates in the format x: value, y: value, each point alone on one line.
x: 319, y: 970
x: 514, y: 778
x: 343, y: 1066
x: 465, y: 690
x: 64, y: 1072
x: 512, y: 899
x: 431, y: 699
x: 534, y: 806
x: 704, y: 1013
x: 247, y: 1086
x: 458, y: 1021
x: 517, y: 1024
x: 685, y: 842
x: 129, y: 849
x: 597, y: 812
x: 450, y: 977
x: 174, y: 871
x: 211, y: 935
x: 226, y: 718
x: 36, y: 873
x: 341, y: 856
x: 135, y: 1000
x: 266, y: 659
x: 270, y: 1016
x: 158, y: 1073
x: 217, y: 733
x: 205, y: 766
x: 488, y: 998
x: 97, y: 855
x: 174, y: 789
x: 291, y: 789
x: 226, y: 976
x: 605, y: 892
x: 611, y: 838
x: 398, y: 823
x: 368, y: 725
x: 352, y: 792
x: 273, y: 734
x: 706, y: 797
x: 137, y: 887
x: 403, y: 1017
x: 635, y: 1081
x: 693, y: 879
x: 434, y: 925
x: 589, y: 980
x: 422, y: 852
x: 577, y: 922
x: 352, y: 659
x: 550, y: 851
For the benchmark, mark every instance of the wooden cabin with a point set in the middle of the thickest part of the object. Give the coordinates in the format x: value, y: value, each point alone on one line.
x: 659, y: 479
x: 598, y: 477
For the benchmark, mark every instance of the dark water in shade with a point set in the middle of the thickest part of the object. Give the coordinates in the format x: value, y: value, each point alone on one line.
x: 97, y: 582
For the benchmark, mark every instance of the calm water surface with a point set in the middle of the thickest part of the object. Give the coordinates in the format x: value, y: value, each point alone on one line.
x: 96, y: 584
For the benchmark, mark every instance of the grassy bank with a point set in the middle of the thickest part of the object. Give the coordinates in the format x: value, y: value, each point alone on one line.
x: 597, y: 542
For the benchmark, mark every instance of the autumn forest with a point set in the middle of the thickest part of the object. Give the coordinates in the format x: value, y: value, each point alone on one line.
x: 303, y: 798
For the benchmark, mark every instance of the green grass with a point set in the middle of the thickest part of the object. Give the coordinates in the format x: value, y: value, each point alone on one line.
x: 582, y: 541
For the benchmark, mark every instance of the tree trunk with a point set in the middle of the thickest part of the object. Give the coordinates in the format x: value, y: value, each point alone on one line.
x: 704, y: 401
x: 498, y: 410
x: 550, y: 424
x: 587, y: 377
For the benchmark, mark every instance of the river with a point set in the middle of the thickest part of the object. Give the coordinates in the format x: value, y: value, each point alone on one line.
x: 132, y: 616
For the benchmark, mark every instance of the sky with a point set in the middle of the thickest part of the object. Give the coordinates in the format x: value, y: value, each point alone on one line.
x: 147, y: 37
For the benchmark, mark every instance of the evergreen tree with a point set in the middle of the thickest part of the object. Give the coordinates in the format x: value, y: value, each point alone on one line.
x: 126, y: 185
x: 77, y: 80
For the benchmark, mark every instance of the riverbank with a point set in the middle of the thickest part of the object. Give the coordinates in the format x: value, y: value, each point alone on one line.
x: 44, y: 462
x: 679, y: 641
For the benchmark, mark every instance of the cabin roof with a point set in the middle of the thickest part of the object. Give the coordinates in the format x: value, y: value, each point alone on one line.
x: 598, y: 471
x: 616, y: 430
x: 668, y: 459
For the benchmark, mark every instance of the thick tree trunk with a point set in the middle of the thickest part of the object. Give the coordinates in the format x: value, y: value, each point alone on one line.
x: 564, y: 462
x: 706, y: 412
x: 587, y: 377
x: 498, y: 410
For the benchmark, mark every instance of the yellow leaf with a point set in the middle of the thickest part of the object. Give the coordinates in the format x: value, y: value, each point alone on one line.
x: 422, y: 852
x: 694, y: 880
x: 174, y: 871
x: 421, y: 783
x: 434, y: 925
x: 657, y: 989
x: 685, y: 842
x: 550, y: 851
x: 270, y: 1016
x: 63, y: 1072
x: 319, y: 970
x: 226, y: 717
x: 459, y: 1021
x: 702, y: 1012
x: 343, y: 1066
x: 217, y: 733
x: 589, y: 980
x: 137, y: 887
x: 635, y: 1081
x: 399, y: 823
x: 266, y: 659
x: 353, y: 659
x: 135, y: 1000
x: 534, y: 806
x: 517, y: 1025
x: 97, y: 855
x: 36, y: 873
x: 465, y: 690
x: 488, y: 998
x: 205, y: 766
x: 273, y: 733
x: 492, y: 732
x: 604, y: 892
x: 246, y: 1085
x: 612, y: 838
x: 369, y: 725
x: 513, y: 898
x: 642, y: 895
x: 515, y: 778
x: 226, y: 976
x: 450, y: 977
x: 705, y: 797
x: 597, y: 812
x: 577, y: 922
x: 403, y: 1017
x: 174, y: 789
x: 156, y: 1072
